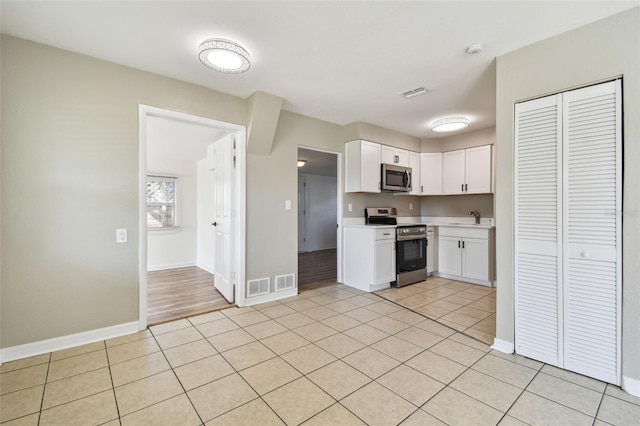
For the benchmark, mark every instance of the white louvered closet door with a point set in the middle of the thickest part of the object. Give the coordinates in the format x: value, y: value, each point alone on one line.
x: 568, y: 230
x: 592, y: 231
x: 537, y: 228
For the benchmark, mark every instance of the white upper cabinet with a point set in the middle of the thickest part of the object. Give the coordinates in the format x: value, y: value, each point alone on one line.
x: 362, y: 166
x: 453, y: 172
x: 478, y: 170
x: 431, y: 173
x: 396, y: 156
x: 416, y: 171
x: 467, y: 171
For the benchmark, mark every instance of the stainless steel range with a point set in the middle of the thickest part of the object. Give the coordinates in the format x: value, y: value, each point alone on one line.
x: 411, y: 245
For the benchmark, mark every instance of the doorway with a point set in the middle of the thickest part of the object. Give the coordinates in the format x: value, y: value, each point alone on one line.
x: 177, y: 261
x: 318, y: 206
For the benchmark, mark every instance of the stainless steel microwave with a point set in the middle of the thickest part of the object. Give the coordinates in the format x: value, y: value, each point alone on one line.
x: 395, y: 178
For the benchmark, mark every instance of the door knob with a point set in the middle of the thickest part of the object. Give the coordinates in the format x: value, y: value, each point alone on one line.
x: 215, y: 223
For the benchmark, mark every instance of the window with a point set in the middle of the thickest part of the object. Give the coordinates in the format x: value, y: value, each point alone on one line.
x: 163, y: 195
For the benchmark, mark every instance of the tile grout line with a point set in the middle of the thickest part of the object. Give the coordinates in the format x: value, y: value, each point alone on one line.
x: 176, y: 374
x: 44, y: 387
x: 113, y: 387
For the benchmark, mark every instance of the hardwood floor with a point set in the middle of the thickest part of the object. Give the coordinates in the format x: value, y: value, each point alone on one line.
x: 316, y: 269
x: 179, y: 293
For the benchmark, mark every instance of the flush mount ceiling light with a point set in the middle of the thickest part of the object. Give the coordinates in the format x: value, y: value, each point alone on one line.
x: 224, y: 56
x: 449, y: 124
x: 302, y: 163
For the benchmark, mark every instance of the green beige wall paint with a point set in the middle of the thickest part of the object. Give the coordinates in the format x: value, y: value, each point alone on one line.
x: 70, y: 179
x: 593, y: 53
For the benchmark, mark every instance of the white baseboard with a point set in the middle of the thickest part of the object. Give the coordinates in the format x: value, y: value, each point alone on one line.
x: 171, y: 266
x: 631, y: 386
x: 66, y: 342
x: 207, y: 268
x: 503, y: 346
x: 283, y: 294
x: 463, y: 279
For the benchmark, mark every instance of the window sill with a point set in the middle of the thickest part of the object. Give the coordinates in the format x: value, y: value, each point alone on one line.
x: 173, y: 229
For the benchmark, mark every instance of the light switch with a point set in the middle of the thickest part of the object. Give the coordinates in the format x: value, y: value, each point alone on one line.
x: 410, y: 206
x: 121, y: 236
x: 287, y: 204
x: 350, y: 207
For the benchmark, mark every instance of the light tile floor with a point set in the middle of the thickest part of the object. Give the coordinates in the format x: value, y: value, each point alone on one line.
x: 468, y: 308
x: 333, y: 356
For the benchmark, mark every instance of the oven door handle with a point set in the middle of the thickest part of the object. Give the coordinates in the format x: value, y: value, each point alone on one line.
x: 411, y: 237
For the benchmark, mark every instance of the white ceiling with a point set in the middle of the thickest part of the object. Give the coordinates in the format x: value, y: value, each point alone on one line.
x: 177, y: 140
x: 340, y: 61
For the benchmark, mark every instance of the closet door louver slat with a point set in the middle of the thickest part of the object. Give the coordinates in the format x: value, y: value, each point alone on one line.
x: 591, y: 212
x: 537, y: 269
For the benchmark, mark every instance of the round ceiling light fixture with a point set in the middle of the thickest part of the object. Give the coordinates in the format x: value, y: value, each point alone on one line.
x: 224, y: 56
x: 449, y: 124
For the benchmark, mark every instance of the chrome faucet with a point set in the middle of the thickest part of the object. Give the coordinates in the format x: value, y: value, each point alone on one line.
x: 476, y: 214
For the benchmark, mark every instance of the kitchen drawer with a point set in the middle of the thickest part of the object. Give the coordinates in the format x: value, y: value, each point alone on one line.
x: 462, y: 232
x: 385, y: 234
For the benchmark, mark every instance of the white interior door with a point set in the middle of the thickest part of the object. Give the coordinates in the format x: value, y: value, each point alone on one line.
x: 223, y: 152
x: 592, y: 231
x: 538, y: 229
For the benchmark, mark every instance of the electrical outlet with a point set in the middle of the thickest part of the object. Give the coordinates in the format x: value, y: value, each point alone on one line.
x: 121, y: 236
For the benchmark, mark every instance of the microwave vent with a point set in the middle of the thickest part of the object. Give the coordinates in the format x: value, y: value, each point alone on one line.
x: 415, y: 92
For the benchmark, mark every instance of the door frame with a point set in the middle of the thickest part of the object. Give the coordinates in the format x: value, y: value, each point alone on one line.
x: 238, y: 231
x: 339, y: 233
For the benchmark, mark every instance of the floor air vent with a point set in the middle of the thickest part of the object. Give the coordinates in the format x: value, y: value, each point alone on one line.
x: 258, y: 287
x: 284, y: 282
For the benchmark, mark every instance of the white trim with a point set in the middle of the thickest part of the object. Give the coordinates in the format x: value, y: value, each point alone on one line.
x: 170, y: 266
x: 631, y: 386
x: 464, y: 279
x: 503, y: 346
x: 270, y: 297
x: 240, y: 131
x: 207, y: 268
x: 65, y: 342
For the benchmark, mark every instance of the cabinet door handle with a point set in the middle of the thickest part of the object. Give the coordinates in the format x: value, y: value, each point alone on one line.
x: 462, y: 187
x: 421, y: 188
x: 463, y: 244
x: 458, y: 243
x: 465, y: 188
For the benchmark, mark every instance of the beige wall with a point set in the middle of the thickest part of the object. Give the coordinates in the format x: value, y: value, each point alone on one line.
x: 457, y: 205
x: 70, y: 179
x: 70, y: 137
x: 593, y: 53
x: 272, y: 239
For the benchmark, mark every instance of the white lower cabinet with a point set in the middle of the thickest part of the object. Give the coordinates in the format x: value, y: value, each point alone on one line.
x: 466, y: 254
x: 369, y: 257
x: 385, y: 267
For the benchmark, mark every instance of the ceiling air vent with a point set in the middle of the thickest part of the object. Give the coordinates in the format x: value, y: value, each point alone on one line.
x: 414, y: 92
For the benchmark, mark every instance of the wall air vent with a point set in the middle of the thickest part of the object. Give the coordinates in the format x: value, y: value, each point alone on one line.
x: 258, y: 287
x: 415, y: 92
x: 284, y: 282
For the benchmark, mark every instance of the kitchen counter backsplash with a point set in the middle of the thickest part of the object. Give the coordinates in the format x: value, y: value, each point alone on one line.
x: 433, y: 221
